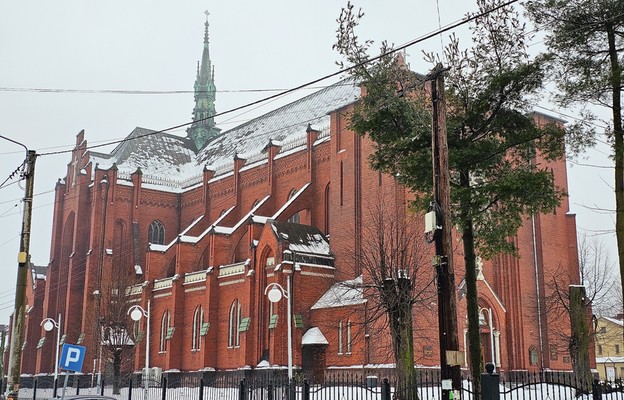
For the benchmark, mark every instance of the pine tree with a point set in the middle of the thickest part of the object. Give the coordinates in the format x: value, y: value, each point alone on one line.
x: 585, y: 39
x: 495, y: 145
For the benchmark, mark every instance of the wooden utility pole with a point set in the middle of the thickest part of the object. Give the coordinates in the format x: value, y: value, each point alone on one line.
x: 19, y: 314
x: 450, y: 357
x: 3, y: 331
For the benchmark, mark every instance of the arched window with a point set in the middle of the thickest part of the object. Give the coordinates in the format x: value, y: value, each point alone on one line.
x: 340, y: 337
x: 198, y: 321
x: 327, y: 209
x: 234, y: 325
x: 295, y: 217
x: 164, y: 330
x: 156, y: 233
x: 349, y: 336
x: 341, y: 183
x: 533, y: 355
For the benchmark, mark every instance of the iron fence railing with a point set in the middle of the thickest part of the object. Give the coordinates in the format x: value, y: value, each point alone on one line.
x: 329, y: 385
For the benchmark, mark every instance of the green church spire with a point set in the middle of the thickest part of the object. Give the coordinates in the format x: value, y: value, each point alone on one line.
x: 203, y: 128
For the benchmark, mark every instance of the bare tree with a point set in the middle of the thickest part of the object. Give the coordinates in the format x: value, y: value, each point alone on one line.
x: 391, y: 258
x: 567, y: 303
x: 114, y: 326
x: 598, y: 275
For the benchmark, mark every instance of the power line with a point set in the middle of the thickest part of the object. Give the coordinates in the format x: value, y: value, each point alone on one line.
x: 420, y: 39
x: 18, y: 170
x: 140, y: 92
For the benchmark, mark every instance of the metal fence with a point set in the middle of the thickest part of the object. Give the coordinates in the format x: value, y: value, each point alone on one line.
x: 333, y: 385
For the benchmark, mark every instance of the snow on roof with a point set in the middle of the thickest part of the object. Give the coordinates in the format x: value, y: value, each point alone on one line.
x: 290, y: 201
x: 229, y: 231
x: 313, y: 336
x: 38, y: 272
x: 342, y: 294
x: 164, y: 159
x: 169, y: 163
x: 614, y: 321
x: 302, y: 238
x: 286, y: 123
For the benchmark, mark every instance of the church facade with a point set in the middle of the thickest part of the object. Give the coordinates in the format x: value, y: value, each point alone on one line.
x: 201, y: 226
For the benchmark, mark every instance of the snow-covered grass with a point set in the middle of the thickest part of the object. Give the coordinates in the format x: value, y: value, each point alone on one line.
x: 317, y: 392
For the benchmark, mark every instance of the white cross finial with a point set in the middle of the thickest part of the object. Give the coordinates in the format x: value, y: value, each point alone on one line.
x: 207, y: 14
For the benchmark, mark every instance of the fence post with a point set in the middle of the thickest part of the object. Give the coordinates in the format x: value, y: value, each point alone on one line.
x: 291, y: 389
x: 130, y: 384
x: 385, y: 390
x: 596, y: 390
x: 242, y: 390
x: 164, y: 388
x: 102, y: 387
x: 306, y: 390
x: 270, y: 391
x: 55, y: 387
x: 201, y: 389
x: 34, y: 389
x: 490, y: 381
x: 77, y: 386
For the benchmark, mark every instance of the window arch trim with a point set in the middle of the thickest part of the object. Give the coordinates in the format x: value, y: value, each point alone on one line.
x: 156, y: 232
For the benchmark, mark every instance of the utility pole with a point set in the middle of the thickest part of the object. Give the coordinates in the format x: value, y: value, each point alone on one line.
x: 3, y: 332
x: 23, y: 259
x: 450, y: 357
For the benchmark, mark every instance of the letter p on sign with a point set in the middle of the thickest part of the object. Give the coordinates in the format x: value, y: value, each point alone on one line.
x: 72, y: 357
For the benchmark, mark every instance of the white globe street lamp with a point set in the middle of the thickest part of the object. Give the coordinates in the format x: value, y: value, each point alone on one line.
x: 275, y: 292
x: 49, y: 324
x: 137, y: 312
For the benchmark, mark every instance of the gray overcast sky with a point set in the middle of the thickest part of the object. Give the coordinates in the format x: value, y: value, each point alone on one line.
x: 148, y: 45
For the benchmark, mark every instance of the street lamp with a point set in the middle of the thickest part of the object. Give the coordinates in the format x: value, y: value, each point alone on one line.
x: 49, y: 324
x: 137, y: 312
x: 275, y: 291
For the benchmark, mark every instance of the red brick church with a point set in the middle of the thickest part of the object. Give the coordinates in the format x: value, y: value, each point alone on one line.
x: 204, y: 223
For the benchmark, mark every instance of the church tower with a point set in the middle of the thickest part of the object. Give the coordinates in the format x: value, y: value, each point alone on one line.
x: 203, y: 128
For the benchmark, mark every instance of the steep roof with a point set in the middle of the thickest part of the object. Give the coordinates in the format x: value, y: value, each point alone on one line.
x: 302, y: 238
x: 38, y: 272
x: 157, y: 154
x: 170, y: 162
x: 347, y: 293
x: 284, y: 124
x: 313, y: 336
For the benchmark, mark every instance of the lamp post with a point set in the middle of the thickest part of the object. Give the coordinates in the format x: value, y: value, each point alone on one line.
x: 137, y: 312
x: 275, y: 291
x: 49, y: 324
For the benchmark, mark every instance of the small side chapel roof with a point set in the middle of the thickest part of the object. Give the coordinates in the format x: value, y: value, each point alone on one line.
x: 302, y: 238
x: 342, y: 294
x: 39, y: 272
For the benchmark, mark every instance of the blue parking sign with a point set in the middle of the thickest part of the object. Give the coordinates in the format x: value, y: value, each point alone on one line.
x: 72, y: 357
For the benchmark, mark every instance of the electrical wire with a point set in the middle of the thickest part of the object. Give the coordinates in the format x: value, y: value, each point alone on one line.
x: 141, y: 92
x: 12, y: 175
x: 420, y: 39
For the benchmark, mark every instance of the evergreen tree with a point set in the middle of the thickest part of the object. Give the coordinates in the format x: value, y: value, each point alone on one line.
x: 497, y: 152
x: 585, y: 39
